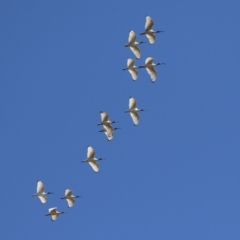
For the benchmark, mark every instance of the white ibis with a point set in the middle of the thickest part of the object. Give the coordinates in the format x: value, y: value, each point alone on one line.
x: 53, y: 213
x: 133, y: 110
x: 40, y: 192
x: 133, y: 44
x: 70, y: 197
x: 149, y: 32
x: 91, y: 159
x: 149, y: 65
x: 132, y: 68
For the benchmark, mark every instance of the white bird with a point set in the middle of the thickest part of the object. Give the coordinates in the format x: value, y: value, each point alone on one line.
x: 53, y: 213
x: 133, y: 110
x: 91, y: 159
x: 149, y: 65
x: 108, y: 130
x: 70, y: 197
x: 132, y: 44
x: 105, y: 119
x: 40, y: 192
x: 132, y: 68
x: 149, y: 32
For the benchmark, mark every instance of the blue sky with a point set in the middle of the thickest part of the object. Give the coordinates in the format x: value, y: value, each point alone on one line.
x: 175, y: 175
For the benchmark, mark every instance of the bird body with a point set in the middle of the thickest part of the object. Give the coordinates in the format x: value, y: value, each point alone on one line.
x: 40, y: 192
x: 69, y: 197
x: 108, y: 130
x: 91, y: 159
x: 53, y: 213
x: 149, y: 32
x: 133, y: 110
x: 133, y: 44
x: 149, y: 65
x: 132, y: 68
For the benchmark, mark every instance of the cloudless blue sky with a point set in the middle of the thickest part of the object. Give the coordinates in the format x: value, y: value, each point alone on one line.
x: 175, y: 176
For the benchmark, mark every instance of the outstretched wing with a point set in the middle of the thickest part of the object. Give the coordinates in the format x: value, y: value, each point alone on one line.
x: 70, y: 202
x: 43, y: 198
x: 94, y: 166
x: 148, y: 24
x: 152, y: 72
x: 68, y: 193
x: 40, y: 187
x: 130, y: 62
x: 136, y: 51
x: 131, y: 37
x: 108, y: 131
x: 104, y: 116
x: 151, y: 37
x: 149, y: 60
x: 90, y: 152
x: 133, y: 73
x: 132, y: 103
x: 52, y: 210
x: 54, y: 217
x: 135, y: 117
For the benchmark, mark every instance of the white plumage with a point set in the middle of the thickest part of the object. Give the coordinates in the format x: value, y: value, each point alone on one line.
x: 91, y: 159
x: 40, y: 192
x: 131, y: 68
x: 149, y: 32
x: 149, y: 65
x: 70, y: 198
x: 53, y: 213
x: 108, y: 130
x: 133, y: 110
x: 105, y: 119
x: 133, y: 44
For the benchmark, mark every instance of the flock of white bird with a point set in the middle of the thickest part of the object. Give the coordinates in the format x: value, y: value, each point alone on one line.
x: 105, y: 120
x: 133, y: 45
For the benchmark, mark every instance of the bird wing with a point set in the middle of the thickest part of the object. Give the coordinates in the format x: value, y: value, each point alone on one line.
x: 151, y: 37
x: 130, y: 62
x: 90, y: 152
x: 131, y: 37
x: 108, y: 131
x: 104, y: 116
x: 94, y: 166
x: 42, y: 198
x: 149, y: 60
x: 134, y: 117
x: 133, y: 73
x: 148, y: 24
x: 136, y: 51
x: 68, y: 193
x: 40, y: 187
x: 54, y: 217
x: 132, y: 103
x: 70, y: 202
x: 152, y: 72
x: 52, y: 210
